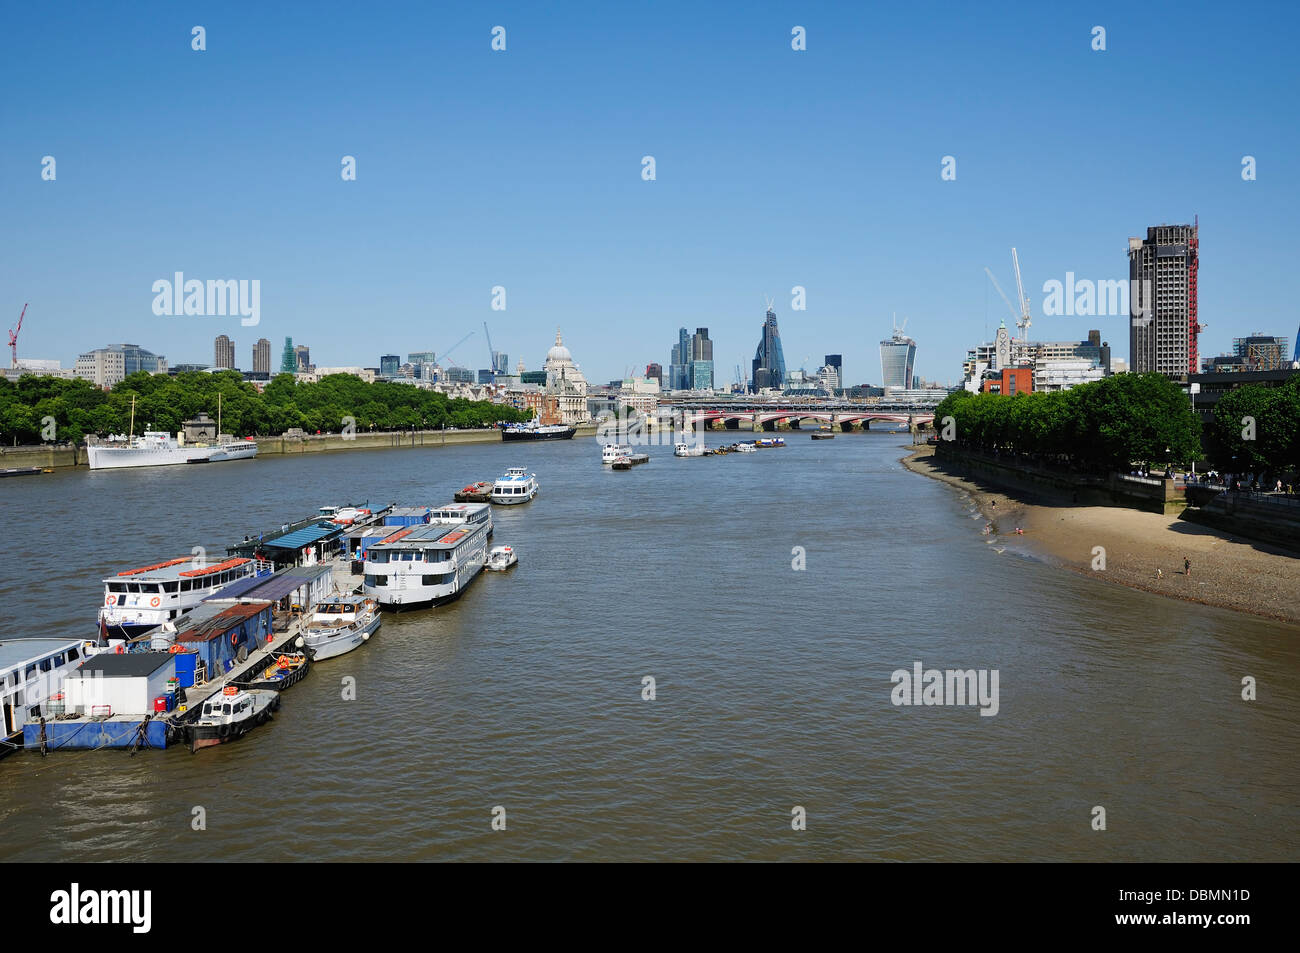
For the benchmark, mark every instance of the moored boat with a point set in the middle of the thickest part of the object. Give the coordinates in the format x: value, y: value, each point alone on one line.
x: 231, y: 715
x: 631, y: 460
x: 689, y: 450
x: 339, y: 626
x: 137, y: 600
x: 285, y: 670
x: 425, y: 566
x: 480, y: 492
x: 536, y: 430
x: 501, y: 558
x: 516, y: 486
x: 612, y: 451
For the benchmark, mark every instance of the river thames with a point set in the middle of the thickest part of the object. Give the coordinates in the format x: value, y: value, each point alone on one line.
x: 772, y: 683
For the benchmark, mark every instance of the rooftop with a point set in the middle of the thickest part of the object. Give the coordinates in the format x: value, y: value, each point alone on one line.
x: 430, y: 536
x: 21, y: 651
x: 133, y: 665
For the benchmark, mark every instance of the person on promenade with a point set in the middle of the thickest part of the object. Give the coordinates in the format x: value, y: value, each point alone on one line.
x: 1160, y: 573
x: 1187, y: 566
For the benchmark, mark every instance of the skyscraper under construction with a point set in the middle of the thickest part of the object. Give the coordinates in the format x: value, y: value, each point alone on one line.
x: 1162, y: 321
x: 769, y: 360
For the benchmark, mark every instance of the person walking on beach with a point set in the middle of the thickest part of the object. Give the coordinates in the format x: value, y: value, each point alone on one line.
x: 1187, y: 566
x: 1160, y: 573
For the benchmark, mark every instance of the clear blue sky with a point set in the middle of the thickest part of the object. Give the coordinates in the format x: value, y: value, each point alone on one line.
x: 775, y: 168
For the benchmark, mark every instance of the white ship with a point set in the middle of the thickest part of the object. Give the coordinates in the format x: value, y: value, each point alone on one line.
x: 160, y: 449
x: 474, y: 514
x: 689, y: 450
x: 424, y: 565
x: 338, y: 626
x: 612, y: 451
x: 139, y: 599
x: 517, y: 486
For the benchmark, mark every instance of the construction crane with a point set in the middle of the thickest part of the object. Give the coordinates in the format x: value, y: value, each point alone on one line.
x: 492, y: 355
x: 443, y: 354
x: 13, y: 338
x: 1024, y: 321
x: 1010, y: 306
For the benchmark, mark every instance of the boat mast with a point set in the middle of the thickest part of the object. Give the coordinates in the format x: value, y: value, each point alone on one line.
x: 132, y: 433
x: 218, y: 415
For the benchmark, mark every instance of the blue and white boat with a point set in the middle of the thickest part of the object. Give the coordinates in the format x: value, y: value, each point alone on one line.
x: 517, y: 486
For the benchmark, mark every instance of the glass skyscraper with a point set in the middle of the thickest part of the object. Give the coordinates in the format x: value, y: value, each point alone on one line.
x: 897, y: 359
x: 769, y: 359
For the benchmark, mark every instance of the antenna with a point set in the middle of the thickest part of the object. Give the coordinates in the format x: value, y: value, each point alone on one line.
x: 768, y: 299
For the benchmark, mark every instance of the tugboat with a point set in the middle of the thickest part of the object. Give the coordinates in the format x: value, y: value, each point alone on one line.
x: 501, y: 558
x: 339, y: 627
x: 231, y: 715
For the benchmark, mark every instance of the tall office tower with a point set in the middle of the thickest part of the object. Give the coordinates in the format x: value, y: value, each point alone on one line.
x: 500, y: 363
x: 657, y: 372
x: 679, y: 366
x: 223, y: 354
x: 389, y: 365
x: 262, y: 356
x: 768, y: 368
x: 1162, y: 278
x: 836, y: 361
x: 898, y: 358
x: 302, y: 357
x: 288, y: 362
x: 421, y: 357
x: 701, y: 361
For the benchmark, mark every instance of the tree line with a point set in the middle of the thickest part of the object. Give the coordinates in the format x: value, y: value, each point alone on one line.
x: 78, y: 408
x: 1132, y: 420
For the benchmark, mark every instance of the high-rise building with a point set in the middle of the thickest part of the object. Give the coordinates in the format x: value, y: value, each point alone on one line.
x: 389, y: 365
x: 262, y: 357
x: 288, y: 360
x: 679, y: 371
x: 701, y: 375
x: 107, y: 366
x: 500, y: 363
x: 1261, y: 352
x: 837, y: 362
x: 223, y: 354
x: 898, y: 358
x: 829, y: 376
x: 768, y: 368
x: 302, y: 357
x: 701, y: 360
x: 1162, y: 325
x: 421, y: 357
x: 656, y: 371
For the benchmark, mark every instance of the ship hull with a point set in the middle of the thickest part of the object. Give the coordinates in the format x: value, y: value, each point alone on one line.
x: 564, y: 433
x: 122, y: 458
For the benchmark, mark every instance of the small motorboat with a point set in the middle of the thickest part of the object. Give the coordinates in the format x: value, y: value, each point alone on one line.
x: 286, y: 669
x: 745, y: 448
x: 823, y: 435
x: 689, y: 450
x: 231, y: 715
x: 501, y: 558
x: 339, y: 625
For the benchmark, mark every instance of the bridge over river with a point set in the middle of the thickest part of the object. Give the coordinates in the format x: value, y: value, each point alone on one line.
x: 773, y: 416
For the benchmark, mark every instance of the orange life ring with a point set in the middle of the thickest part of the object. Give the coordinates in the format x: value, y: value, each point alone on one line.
x: 119, y: 651
x: 111, y: 600
x: 234, y: 639
x: 155, y: 602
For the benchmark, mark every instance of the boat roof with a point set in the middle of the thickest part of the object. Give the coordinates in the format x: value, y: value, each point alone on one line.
x: 172, y: 569
x: 303, y: 537
x: 271, y: 588
x: 514, y: 474
x: 430, y: 536
x: 129, y: 665
x: 408, y: 511
x: 466, y: 508
x: 15, y: 652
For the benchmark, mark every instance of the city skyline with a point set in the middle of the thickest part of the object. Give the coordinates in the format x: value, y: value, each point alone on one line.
x: 413, y: 248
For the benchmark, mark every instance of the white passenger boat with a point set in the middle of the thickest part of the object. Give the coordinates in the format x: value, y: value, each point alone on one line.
x: 423, y: 565
x: 501, y: 558
x: 338, y: 626
x: 517, y: 486
x: 31, y: 682
x: 746, y: 448
x: 612, y: 451
x: 689, y: 450
x: 473, y: 514
x: 160, y: 449
x: 139, y: 599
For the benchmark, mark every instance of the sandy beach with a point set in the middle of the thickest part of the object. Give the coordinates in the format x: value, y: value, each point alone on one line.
x: 1142, y: 550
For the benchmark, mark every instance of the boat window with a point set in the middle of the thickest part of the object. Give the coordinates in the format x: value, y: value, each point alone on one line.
x: 31, y: 670
x: 207, y: 709
x: 59, y: 659
x: 46, y: 664
x: 170, y: 586
x: 149, y: 587
x: 185, y: 585
x: 132, y: 587
x: 73, y: 654
x: 225, y: 709
x: 117, y: 587
x: 377, y: 581
x: 378, y: 556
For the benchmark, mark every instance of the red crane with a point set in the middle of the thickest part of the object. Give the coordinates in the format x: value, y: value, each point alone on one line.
x: 13, y: 339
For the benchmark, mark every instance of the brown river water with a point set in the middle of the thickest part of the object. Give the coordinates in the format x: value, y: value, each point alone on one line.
x: 773, y: 685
